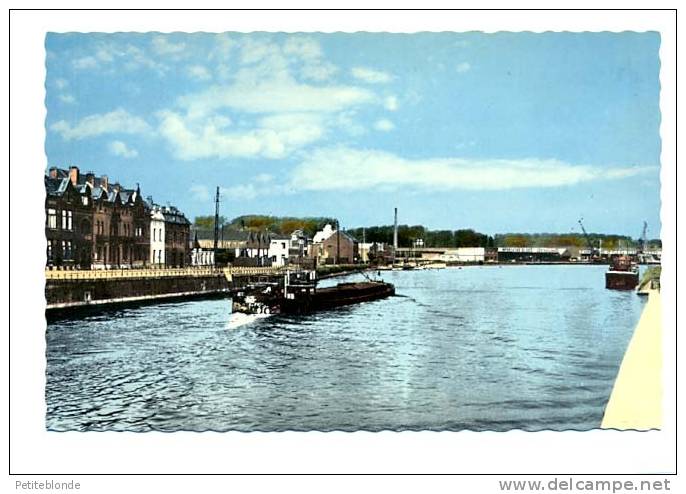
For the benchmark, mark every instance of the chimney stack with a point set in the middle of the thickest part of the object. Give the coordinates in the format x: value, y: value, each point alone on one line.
x: 395, y: 229
x: 74, y: 175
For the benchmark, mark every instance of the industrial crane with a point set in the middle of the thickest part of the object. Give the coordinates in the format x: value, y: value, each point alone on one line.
x: 592, y: 248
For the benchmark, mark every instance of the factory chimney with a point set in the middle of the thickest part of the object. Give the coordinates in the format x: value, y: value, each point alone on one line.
x: 395, y: 230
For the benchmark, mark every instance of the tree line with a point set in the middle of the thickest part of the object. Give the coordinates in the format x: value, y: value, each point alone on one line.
x: 260, y: 223
x: 607, y: 241
x: 409, y: 234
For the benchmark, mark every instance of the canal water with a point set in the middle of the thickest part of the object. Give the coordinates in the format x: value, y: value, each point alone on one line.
x: 478, y: 348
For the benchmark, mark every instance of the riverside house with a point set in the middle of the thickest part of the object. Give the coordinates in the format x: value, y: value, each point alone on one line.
x: 334, y: 247
x: 93, y: 224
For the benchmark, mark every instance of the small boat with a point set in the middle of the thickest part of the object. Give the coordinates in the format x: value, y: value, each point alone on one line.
x: 622, y: 275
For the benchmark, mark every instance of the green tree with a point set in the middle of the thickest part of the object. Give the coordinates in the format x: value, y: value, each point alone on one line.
x: 207, y: 222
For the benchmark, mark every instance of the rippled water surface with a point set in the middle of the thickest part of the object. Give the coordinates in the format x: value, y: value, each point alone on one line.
x: 526, y: 347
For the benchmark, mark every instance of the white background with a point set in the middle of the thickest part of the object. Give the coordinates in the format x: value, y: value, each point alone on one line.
x: 35, y: 451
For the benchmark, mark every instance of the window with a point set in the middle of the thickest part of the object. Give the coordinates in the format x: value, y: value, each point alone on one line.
x: 50, y: 249
x: 52, y: 218
x: 66, y: 249
x: 66, y: 220
x: 84, y: 200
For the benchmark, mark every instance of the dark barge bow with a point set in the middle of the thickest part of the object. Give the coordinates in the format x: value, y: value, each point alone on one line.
x: 622, y: 275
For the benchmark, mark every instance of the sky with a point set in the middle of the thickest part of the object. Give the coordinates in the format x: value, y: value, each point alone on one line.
x: 504, y: 132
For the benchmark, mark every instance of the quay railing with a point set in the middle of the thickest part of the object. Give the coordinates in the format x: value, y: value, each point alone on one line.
x: 99, y: 274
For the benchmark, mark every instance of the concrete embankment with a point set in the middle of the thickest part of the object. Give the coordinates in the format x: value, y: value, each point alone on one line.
x: 73, y: 293
x: 71, y: 290
x: 636, y: 399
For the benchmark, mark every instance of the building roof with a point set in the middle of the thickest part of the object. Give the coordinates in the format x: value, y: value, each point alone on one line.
x: 343, y: 235
x: 55, y: 186
x: 323, y: 234
x: 89, y: 183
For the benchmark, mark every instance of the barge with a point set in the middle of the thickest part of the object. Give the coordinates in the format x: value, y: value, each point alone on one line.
x: 622, y: 275
x: 299, y: 295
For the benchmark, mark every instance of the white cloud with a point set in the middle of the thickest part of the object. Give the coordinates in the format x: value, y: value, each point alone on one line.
x: 263, y: 178
x: 67, y: 99
x: 104, y: 54
x: 87, y: 62
x: 115, y: 122
x: 254, y: 50
x: 163, y: 46
x: 276, y: 111
x: 348, y: 122
x: 384, y: 125
x: 223, y: 46
x: 318, y: 71
x: 254, y: 189
x: 134, y: 58
x: 463, y: 67
x: 370, y: 75
x: 303, y: 47
x: 271, y: 96
x: 391, y: 103
x: 242, y: 191
x: 262, y: 59
x: 119, y: 148
x: 273, y: 137
x: 352, y: 169
x: 199, y: 72
x: 61, y: 83
x: 200, y: 193
x: 131, y: 57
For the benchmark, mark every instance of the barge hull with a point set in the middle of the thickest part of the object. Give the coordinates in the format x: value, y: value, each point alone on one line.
x: 621, y: 280
x: 344, y: 294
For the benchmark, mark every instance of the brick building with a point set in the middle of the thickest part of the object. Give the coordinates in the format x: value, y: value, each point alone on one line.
x: 93, y: 224
x: 177, y: 231
x: 68, y: 223
x: 337, y: 248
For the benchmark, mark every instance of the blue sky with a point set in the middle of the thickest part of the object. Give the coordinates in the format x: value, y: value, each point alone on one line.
x: 498, y: 132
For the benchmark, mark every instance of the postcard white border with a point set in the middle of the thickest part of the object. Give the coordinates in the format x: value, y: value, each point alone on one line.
x: 33, y: 450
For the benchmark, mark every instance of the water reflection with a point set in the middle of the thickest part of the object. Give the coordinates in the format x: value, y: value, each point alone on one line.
x: 479, y: 348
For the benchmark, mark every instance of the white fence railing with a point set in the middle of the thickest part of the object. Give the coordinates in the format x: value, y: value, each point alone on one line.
x: 158, y: 273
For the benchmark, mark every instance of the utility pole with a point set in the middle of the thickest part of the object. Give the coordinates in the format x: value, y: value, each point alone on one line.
x: 395, y: 229
x: 216, y: 225
x: 338, y: 241
x: 395, y: 233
